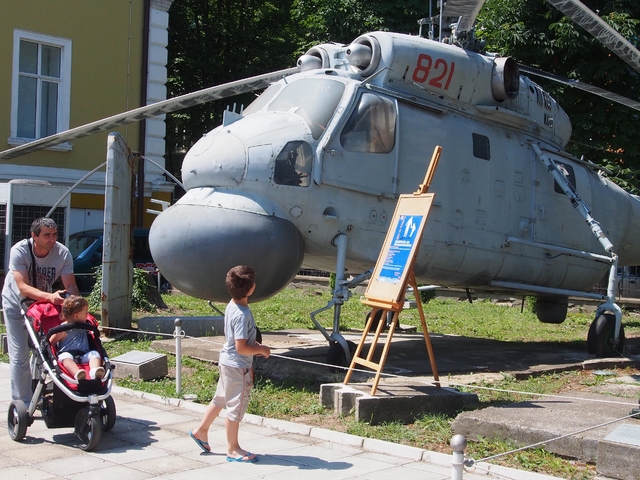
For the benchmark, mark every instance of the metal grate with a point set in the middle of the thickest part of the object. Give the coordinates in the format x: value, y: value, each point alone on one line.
x: 24, y: 215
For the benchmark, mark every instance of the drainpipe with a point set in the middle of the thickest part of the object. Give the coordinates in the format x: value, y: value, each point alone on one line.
x: 143, y: 102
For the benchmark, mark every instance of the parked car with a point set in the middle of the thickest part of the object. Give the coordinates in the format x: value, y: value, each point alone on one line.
x: 86, y: 250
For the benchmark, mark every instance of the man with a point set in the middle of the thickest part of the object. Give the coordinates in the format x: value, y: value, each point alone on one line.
x: 34, y: 265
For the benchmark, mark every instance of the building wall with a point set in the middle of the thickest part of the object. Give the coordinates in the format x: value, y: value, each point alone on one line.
x: 106, y: 79
x: 105, y: 68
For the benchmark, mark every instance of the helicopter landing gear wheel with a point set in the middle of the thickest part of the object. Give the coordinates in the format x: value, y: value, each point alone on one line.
x: 336, y: 355
x: 601, y: 336
x: 88, y: 429
x: 17, y: 420
x: 108, y: 414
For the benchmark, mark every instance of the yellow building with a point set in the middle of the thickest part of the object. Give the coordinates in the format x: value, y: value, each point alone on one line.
x: 73, y: 62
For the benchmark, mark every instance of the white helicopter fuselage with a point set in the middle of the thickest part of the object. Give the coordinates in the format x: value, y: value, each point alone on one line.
x: 329, y: 150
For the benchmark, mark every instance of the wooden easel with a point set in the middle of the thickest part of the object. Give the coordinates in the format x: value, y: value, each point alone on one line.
x: 393, y: 275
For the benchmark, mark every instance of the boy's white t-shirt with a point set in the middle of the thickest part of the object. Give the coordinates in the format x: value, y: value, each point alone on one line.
x: 238, y: 324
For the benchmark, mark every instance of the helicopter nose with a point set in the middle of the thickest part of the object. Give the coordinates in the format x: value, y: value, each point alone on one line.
x: 195, y: 245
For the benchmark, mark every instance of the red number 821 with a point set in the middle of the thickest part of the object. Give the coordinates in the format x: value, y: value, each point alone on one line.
x: 441, y: 68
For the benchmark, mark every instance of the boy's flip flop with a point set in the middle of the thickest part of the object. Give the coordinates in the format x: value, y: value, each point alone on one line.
x: 201, y: 443
x: 244, y: 459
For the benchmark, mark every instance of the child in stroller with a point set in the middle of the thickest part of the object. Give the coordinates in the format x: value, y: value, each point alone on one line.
x: 62, y: 397
x: 73, y: 344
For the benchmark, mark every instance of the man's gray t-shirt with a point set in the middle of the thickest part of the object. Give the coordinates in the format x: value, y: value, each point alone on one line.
x: 238, y: 324
x: 48, y: 269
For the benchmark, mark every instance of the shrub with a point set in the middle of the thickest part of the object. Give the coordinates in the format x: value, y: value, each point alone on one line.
x: 139, y: 297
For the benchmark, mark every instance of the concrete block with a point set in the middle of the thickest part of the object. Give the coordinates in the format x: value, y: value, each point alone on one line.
x: 395, y: 402
x: 619, y: 453
x: 192, y: 326
x: 406, y: 404
x: 140, y: 365
x: 618, y: 460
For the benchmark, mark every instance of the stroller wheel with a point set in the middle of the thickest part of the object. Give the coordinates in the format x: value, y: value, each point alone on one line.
x: 108, y: 414
x: 88, y: 429
x: 17, y: 420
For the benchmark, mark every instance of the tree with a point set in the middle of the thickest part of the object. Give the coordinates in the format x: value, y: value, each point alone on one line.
x: 217, y: 41
x: 536, y: 34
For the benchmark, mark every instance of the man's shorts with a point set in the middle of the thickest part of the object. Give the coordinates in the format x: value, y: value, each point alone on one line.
x: 83, y: 359
x: 233, y: 391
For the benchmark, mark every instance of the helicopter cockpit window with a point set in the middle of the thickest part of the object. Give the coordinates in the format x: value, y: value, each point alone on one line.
x: 481, y: 147
x: 264, y: 98
x: 293, y: 165
x: 312, y: 99
x: 371, y: 127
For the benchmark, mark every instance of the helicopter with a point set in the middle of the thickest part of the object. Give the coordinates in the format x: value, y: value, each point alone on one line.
x: 308, y: 176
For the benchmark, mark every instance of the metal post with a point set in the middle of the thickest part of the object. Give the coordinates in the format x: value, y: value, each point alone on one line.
x: 117, y: 270
x: 458, y: 444
x: 178, y: 334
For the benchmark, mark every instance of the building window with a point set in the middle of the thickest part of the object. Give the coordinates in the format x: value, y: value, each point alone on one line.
x: 41, y: 87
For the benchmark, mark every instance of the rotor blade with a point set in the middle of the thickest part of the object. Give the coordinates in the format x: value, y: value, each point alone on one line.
x: 467, y: 10
x: 627, y: 102
x: 592, y: 23
x: 148, y: 111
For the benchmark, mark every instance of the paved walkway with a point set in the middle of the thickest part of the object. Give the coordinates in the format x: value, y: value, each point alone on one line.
x: 150, y: 441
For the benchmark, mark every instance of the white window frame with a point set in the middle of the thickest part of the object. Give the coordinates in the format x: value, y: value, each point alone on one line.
x: 64, y: 94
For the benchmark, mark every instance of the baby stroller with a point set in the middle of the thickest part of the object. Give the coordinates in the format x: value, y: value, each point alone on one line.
x: 85, y: 405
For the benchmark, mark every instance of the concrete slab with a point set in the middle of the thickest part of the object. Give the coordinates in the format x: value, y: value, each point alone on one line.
x: 571, y: 415
x: 140, y: 365
x: 192, y: 326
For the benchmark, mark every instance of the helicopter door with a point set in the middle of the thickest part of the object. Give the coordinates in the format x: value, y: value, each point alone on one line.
x: 363, y: 157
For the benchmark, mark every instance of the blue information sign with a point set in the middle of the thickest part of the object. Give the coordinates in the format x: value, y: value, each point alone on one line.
x: 401, y: 246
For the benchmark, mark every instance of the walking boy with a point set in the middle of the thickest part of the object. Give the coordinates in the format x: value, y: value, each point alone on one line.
x: 236, y: 359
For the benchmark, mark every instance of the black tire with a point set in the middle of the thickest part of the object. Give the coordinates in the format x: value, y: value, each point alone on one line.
x: 17, y: 420
x: 337, y: 357
x: 376, y: 320
x: 258, y: 336
x: 88, y: 429
x: 108, y: 414
x: 601, y: 334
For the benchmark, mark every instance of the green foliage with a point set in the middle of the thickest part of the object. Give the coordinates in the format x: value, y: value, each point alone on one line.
x: 427, y: 295
x: 139, y: 296
x: 531, y: 304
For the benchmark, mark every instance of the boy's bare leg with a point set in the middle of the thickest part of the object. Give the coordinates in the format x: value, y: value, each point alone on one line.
x: 201, y: 432
x: 233, y: 448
